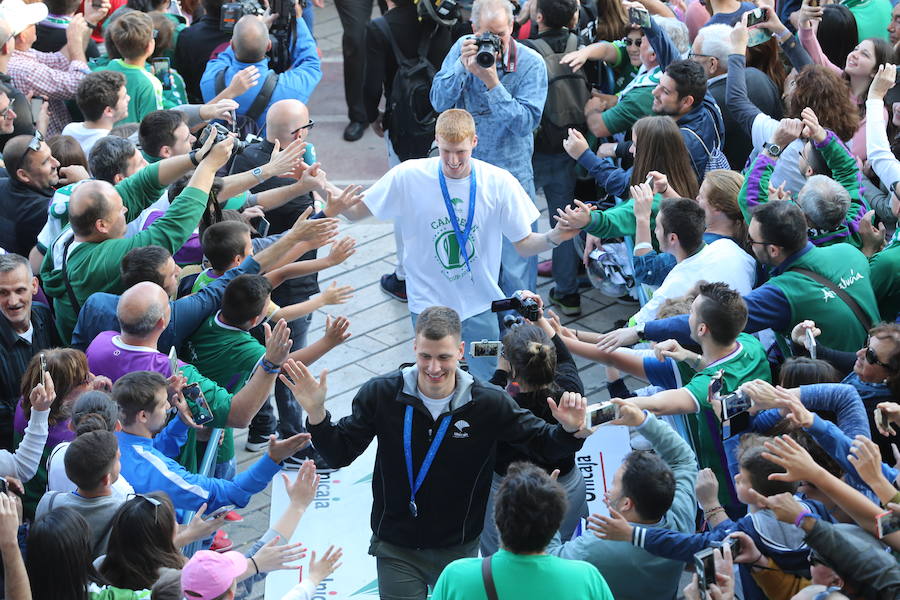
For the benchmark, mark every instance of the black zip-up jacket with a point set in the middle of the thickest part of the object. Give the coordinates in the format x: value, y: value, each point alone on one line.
x: 453, y: 498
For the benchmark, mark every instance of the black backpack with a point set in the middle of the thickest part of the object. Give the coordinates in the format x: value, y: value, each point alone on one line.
x: 409, y: 116
x: 246, y: 124
x: 567, y: 93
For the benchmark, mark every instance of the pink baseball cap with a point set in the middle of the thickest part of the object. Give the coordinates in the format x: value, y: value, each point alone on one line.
x: 208, y: 574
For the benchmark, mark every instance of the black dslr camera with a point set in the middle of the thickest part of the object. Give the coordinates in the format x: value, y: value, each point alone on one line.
x: 489, y: 48
x: 527, y: 307
x: 221, y: 133
x: 233, y: 11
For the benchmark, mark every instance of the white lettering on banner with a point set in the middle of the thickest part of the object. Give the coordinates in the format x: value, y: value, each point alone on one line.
x: 599, y: 459
x: 338, y: 515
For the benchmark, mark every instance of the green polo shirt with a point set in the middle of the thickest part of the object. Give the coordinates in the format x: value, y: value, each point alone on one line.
x: 227, y: 355
x: 144, y: 89
x: 220, y: 404
x: 885, y: 269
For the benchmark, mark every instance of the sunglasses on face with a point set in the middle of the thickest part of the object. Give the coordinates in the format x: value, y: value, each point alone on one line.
x: 36, y: 141
x: 153, y: 501
x: 309, y: 125
x: 632, y: 41
x: 872, y: 359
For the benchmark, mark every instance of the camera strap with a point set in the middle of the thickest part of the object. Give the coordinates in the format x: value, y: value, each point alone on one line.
x: 261, y: 101
x: 76, y: 306
x: 462, y: 237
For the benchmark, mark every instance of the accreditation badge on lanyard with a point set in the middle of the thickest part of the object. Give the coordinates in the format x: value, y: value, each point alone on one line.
x: 462, y: 235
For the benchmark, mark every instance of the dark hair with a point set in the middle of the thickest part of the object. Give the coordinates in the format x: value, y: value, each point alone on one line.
x: 723, y: 310
x: 94, y: 411
x: 827, y: 93
x: 213, y: 8
x: 883, y: 52
x: 684, y: 218
x: 158, y: 129
x: 816, y: 161
x: 782, y: 224
x: 612, y: 21
x: 165, y: 34
x: 125, y: 130
x: 67, y: 150
x: 690, y: 80
x: 143, y: 264
x: 650, y: 484
x: 890, y: 331
x: 109, y: 157
x: 131, y: 33
x: 59, y: 560
x: 140, y: 542
x: 767, y: 58
x: 90, y: 458
x: 528, y: 508
x: 14, y: 153
x: 758, y: 468
x: 531, y: 355
x: 437, y: 322
x: 660, y: 147
x: 557, y: 13
x: 136, y: 391
x: 62, y: 7
x: 802, y: 370
x: 223, y: 241
x: 837, y: 33
x: 147, y: 6
x: 67, y: 367
x: 245, y: 298
x: 98, y: 90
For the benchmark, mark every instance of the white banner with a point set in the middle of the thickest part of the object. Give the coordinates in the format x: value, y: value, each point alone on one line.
x: 599, y: 459
x: 338, y: 516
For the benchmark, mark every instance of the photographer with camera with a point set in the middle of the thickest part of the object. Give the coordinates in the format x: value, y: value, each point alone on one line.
x: 503, y: 84
x: 250, y: 45
x: 196, y: 45
x: 535, y: 360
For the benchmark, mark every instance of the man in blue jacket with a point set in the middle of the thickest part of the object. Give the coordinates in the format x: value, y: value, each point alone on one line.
x: 249, y: 45
x: 142, y: 397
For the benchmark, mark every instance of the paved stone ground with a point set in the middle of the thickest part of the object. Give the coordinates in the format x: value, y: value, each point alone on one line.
x: 382, y: 331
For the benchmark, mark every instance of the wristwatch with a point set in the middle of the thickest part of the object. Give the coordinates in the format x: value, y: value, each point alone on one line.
x: 639, y: 330
x: 773, y: 150
x: 258, y: 173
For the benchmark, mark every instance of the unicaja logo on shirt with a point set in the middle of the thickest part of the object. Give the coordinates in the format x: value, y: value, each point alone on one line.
x: 461, y: 427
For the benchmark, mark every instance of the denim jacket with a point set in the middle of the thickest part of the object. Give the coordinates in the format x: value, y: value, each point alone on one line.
x: 506, y: 116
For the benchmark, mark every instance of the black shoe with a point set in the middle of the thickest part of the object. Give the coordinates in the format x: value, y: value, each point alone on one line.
x: 293, y: 463
x: 257, y: 443
x: 354, y: 131
x: 570, y: 304
x: 394, y: 287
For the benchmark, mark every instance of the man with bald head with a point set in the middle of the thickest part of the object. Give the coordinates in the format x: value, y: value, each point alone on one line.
x: 85, y: 259
x: 249, y: 44
x: 144, y: 313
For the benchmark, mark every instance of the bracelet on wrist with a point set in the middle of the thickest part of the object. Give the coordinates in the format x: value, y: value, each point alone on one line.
x: 255, y: 566
x: 270, y: 367
x: 193, y: 156
x: 799, y: 520
x: 550, y: 240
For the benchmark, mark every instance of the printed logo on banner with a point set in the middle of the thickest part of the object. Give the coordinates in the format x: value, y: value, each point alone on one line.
x: 370, y: 589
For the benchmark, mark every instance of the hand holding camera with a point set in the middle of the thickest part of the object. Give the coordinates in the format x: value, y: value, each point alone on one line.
x: 479, y: 55
x: 221, y: 150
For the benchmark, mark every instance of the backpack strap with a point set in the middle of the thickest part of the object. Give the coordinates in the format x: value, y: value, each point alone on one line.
x: 220, y: 81
x: 861, y: 316
x: 571, y: 44
x: 262, y: 98
x: 76, y: 306
x: 488, y: 578
x: 699, y: 139
x: 53, y: 496
x: 541, y: 47
x: 382, y: 25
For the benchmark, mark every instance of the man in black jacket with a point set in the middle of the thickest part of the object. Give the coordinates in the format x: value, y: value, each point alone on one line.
x: 195, y: 45
x: 25, y: 329
x: 437, y: 429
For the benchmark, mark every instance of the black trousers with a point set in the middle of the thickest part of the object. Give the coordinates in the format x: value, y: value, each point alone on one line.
x: 355, y: 16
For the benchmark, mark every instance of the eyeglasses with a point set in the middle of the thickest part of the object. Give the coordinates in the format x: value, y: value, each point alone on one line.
x: 7, y: 112
x: 36, y: 141
x: 872, y: 359
x: 309, y: 125
x: 155, y: 33
x: 692, y: 55
x: 632, y: 41
x: 755, y: 243
x: 156, y: 504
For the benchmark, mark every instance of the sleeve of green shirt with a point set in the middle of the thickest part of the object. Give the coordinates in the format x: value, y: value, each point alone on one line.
x: 140, y: 190
x: 637, y: 103
x: 845, y: 171
x: 884, y: 268
x: 171, y: 230
x: 144, y: 102
x: 698, y: 387
x: 619, y: 220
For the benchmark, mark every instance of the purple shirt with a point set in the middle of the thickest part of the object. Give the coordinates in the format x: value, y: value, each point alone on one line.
x: 109, y: 355
x: 56, y: 434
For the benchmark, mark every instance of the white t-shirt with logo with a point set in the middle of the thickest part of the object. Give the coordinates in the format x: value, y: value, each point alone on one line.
x: 436, y: 273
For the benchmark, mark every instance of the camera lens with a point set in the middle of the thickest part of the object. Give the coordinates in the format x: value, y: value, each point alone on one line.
x: 485, y: 57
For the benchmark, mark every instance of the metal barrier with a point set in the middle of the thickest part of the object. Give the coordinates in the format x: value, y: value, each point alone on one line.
x: 207, y: 467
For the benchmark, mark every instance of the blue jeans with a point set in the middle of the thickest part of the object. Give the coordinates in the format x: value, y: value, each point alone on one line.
x: 483, y: 326
x: 516, y: 272
x: 555, y: 173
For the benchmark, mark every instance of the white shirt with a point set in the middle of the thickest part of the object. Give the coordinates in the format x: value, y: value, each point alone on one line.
x: 28, y: 336
x: 434, y: 405
x: 436, y: 273
x: 878, y: 148
x: 85, y: 137
x: 722, y: 260
x: 57, y: 480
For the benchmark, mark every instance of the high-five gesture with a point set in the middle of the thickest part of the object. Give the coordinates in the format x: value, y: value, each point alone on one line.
x: 569, y: 412
x: 309, y: 392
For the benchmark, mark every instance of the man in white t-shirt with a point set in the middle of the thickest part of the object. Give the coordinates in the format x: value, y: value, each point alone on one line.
x: 447, y: 260
x: 103, y: 100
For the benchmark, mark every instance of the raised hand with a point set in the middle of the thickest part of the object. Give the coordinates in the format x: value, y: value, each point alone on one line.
x: 283, y: 162
x: 576, y: 59
x: 617, y: 339
x: 788, y: 454
x: 281, y: 449
x: 242, y: 81
x: 342, y: 250
x: 303, y: 491
x: 643, y: 201
x: 337, y: 331
x: 278, y: 342
x: 671, y: 349
x: 883, y: 81
x: 630, y: 414
x: 43, y: 394
x: 348, y: 198
x: 575, y: 145
x: 613, y: 527
x: 574, y: 218
x: 570, y: 411
x: 308, y: 392
x: 276, y: 558
x: 707, y: 489
x: 811, y: 126
x: 325, y: 566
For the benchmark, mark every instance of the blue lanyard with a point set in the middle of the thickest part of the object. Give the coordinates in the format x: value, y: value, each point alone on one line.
x: 462, y: 237
x: 429, y: 457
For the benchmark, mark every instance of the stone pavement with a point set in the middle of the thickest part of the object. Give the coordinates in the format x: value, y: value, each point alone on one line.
x: 381, y: 327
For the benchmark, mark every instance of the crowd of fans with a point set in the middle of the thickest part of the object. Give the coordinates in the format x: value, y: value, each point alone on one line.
x: 727, y: 169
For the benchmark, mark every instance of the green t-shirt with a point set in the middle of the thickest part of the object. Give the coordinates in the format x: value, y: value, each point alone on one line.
x: 746, y: 363
x: 523, y: 577
x: 144, y: 89
x: 872, y: 17
x: 623, y: 71
x: 635, y: 102
x: 220, y: 404
x: 225, y: 354
x: 885, y: 273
